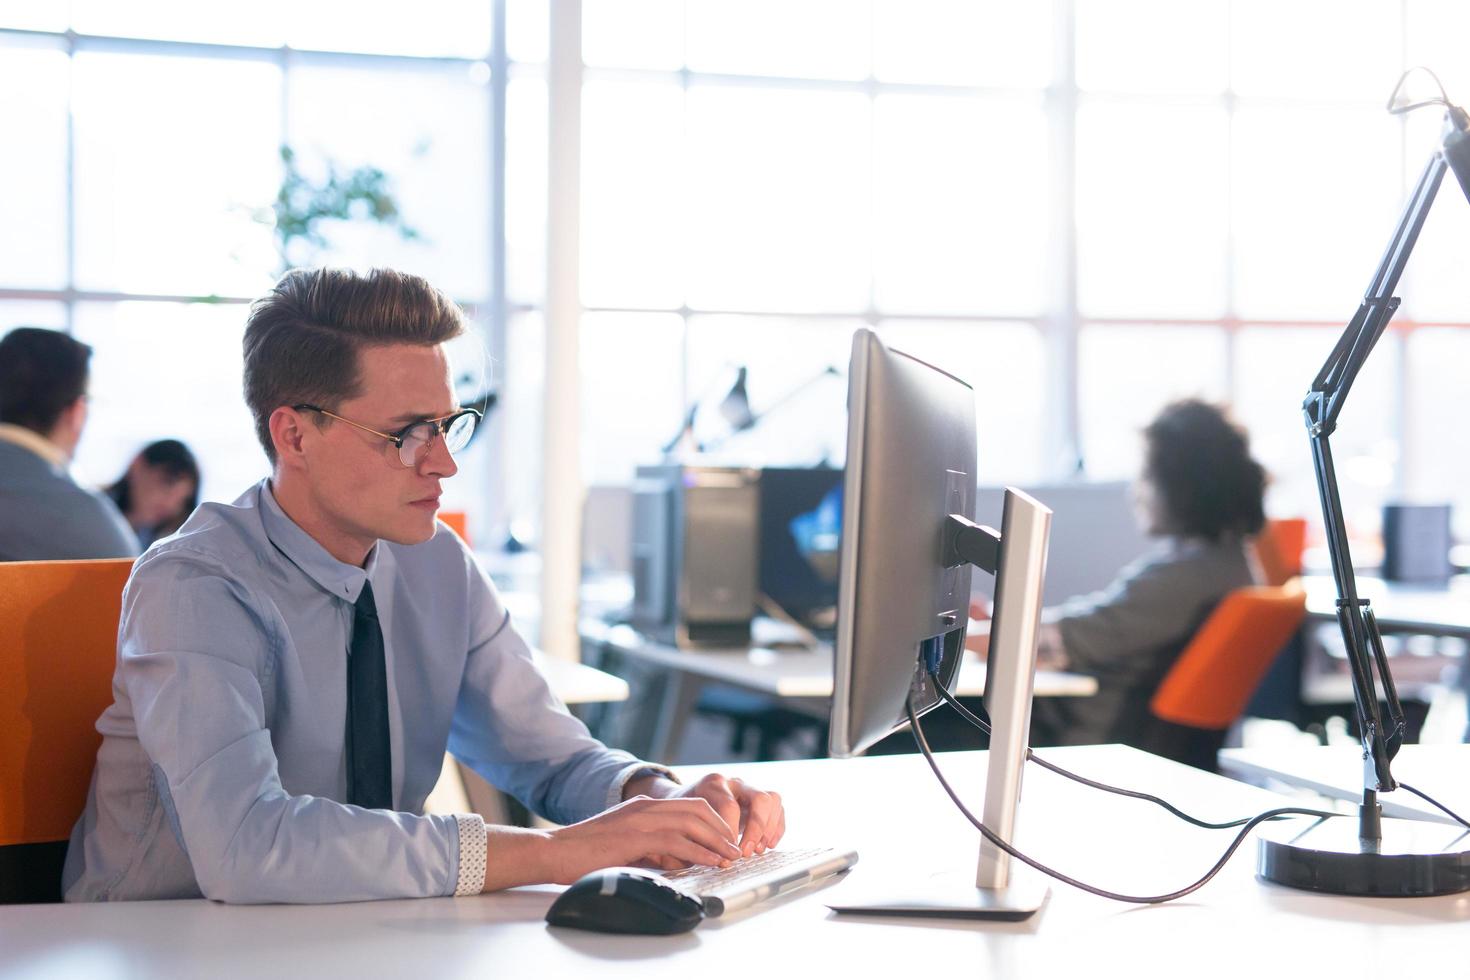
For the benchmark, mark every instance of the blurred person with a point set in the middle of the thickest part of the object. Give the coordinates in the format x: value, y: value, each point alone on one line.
x: 292, y: 666
x: 158, y: 491
x: 44, y: 514
x: 1201, y: 495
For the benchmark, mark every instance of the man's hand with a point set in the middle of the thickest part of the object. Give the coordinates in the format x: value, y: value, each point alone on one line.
x: 755, y: 817
x: 665, y: 833
x: 659, y: 823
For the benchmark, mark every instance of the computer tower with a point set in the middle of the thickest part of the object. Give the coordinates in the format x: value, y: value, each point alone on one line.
x: 696, y: 553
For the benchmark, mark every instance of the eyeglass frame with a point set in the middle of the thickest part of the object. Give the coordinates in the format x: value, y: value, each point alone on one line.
x: 441, y: 427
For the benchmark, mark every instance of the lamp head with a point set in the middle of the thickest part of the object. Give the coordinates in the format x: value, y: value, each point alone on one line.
x: 1455, y: 142
x: 735, y: 406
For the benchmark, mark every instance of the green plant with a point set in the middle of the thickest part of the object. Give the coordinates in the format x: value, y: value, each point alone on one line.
x: 302, y: 205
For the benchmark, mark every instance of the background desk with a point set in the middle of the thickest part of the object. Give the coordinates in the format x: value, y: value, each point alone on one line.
x: 580, y: 684
x: 1399, y: 608
x: 1336, y: 771
x: 1236, y: 926
x: 801, y: 674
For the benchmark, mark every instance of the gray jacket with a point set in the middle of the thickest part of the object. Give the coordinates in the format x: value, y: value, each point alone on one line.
x: 1129, y: 635
x: 45, y: 515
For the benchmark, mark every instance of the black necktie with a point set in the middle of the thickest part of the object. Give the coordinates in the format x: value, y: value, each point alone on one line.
x: 369, y: 757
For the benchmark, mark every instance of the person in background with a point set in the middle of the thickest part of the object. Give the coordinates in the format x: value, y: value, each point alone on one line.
x: 1201, y: 495
x: 44, y: 514
x: 293, y: 665
x: 158, y: 491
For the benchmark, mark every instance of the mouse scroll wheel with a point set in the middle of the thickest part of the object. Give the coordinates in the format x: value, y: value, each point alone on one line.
x: 609, y: 884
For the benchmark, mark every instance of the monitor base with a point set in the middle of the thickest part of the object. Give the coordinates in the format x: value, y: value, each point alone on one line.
x: 1413, y: 858
x: 948, y: 896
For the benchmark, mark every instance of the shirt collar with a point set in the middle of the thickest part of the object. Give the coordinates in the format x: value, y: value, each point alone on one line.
x: 19, y: 435
x: 306, y: 553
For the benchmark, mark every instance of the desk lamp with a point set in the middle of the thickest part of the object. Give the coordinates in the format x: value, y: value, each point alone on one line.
x: 1382, y: 857
x: 736, y: 406
x: 735, y: 409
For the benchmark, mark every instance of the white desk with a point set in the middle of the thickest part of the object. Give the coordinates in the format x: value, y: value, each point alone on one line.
x: 1234, y: 927
x: 1407, y: 608
x: 1336, y: 771
x: 1401, y: 609
x: 795, y: 673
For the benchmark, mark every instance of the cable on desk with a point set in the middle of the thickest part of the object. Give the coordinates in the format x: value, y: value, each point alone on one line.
x: 984, y: 726
x: 996, y: 840
x: 1433, y: 802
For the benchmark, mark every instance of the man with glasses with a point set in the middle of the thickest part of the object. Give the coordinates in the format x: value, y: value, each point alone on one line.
x: 292, y: 666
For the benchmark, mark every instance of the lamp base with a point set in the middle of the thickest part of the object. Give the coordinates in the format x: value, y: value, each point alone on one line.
x: 1413, y: 858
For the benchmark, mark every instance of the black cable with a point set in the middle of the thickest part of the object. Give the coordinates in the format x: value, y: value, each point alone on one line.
x: 1433, y: 802
x: 984, y: 726
x: 995, y: 839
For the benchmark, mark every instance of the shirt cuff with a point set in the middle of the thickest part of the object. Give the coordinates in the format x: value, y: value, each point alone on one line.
x: 615, y: 795
x: 471, y: 879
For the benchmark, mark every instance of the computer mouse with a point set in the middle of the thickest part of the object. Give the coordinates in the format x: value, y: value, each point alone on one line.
x: 626, y: 901
x: 629, y: 900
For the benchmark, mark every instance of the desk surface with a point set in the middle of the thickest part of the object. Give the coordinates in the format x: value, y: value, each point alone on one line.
x: 1336, y: 771
x: 1399, y: 607
x: 797, y: 672
x: 1235, y: 926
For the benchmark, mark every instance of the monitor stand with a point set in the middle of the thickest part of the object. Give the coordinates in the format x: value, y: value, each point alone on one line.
x: 953, y: 895
x: 997, y: 890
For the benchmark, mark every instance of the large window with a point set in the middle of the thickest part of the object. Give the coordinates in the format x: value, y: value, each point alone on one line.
x: 1236, y: 182
x: 760, y: 179
x: 1085, y: 208
x: 153, y: 137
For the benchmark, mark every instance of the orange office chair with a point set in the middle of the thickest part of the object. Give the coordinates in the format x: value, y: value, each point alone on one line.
x: 1279, y: 548
x: 58, y: 646
x: 458, y: 523
x: 1210, y: 684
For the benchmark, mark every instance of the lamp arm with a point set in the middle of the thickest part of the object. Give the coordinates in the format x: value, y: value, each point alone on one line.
x: 718, y: 441
x: 1321, y: 407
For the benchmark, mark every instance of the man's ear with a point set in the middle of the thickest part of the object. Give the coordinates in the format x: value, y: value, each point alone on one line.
x: 288, y: 435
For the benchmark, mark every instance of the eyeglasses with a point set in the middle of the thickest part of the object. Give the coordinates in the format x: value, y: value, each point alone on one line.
x: 414, y: 439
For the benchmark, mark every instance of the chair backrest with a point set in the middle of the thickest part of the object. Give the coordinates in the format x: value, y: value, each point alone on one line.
x: 1279, y: 549
x: 1213, y: 679
x: 58, y: 647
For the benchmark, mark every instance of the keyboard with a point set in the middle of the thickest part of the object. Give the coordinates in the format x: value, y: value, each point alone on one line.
x: 759, y: 877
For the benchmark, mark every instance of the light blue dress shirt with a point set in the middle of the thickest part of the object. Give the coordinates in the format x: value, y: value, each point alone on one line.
x: 223, y: 758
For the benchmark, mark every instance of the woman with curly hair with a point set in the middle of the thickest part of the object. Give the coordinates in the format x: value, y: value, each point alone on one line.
x: 1200, y: 494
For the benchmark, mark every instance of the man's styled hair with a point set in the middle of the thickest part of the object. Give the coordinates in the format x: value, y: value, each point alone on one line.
x: 1200, y: 465
x: 301, y: 340
x: 42, y: 374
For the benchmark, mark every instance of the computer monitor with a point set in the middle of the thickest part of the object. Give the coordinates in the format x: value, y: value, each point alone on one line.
x: 800, y: 533
x: 908, y: 547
